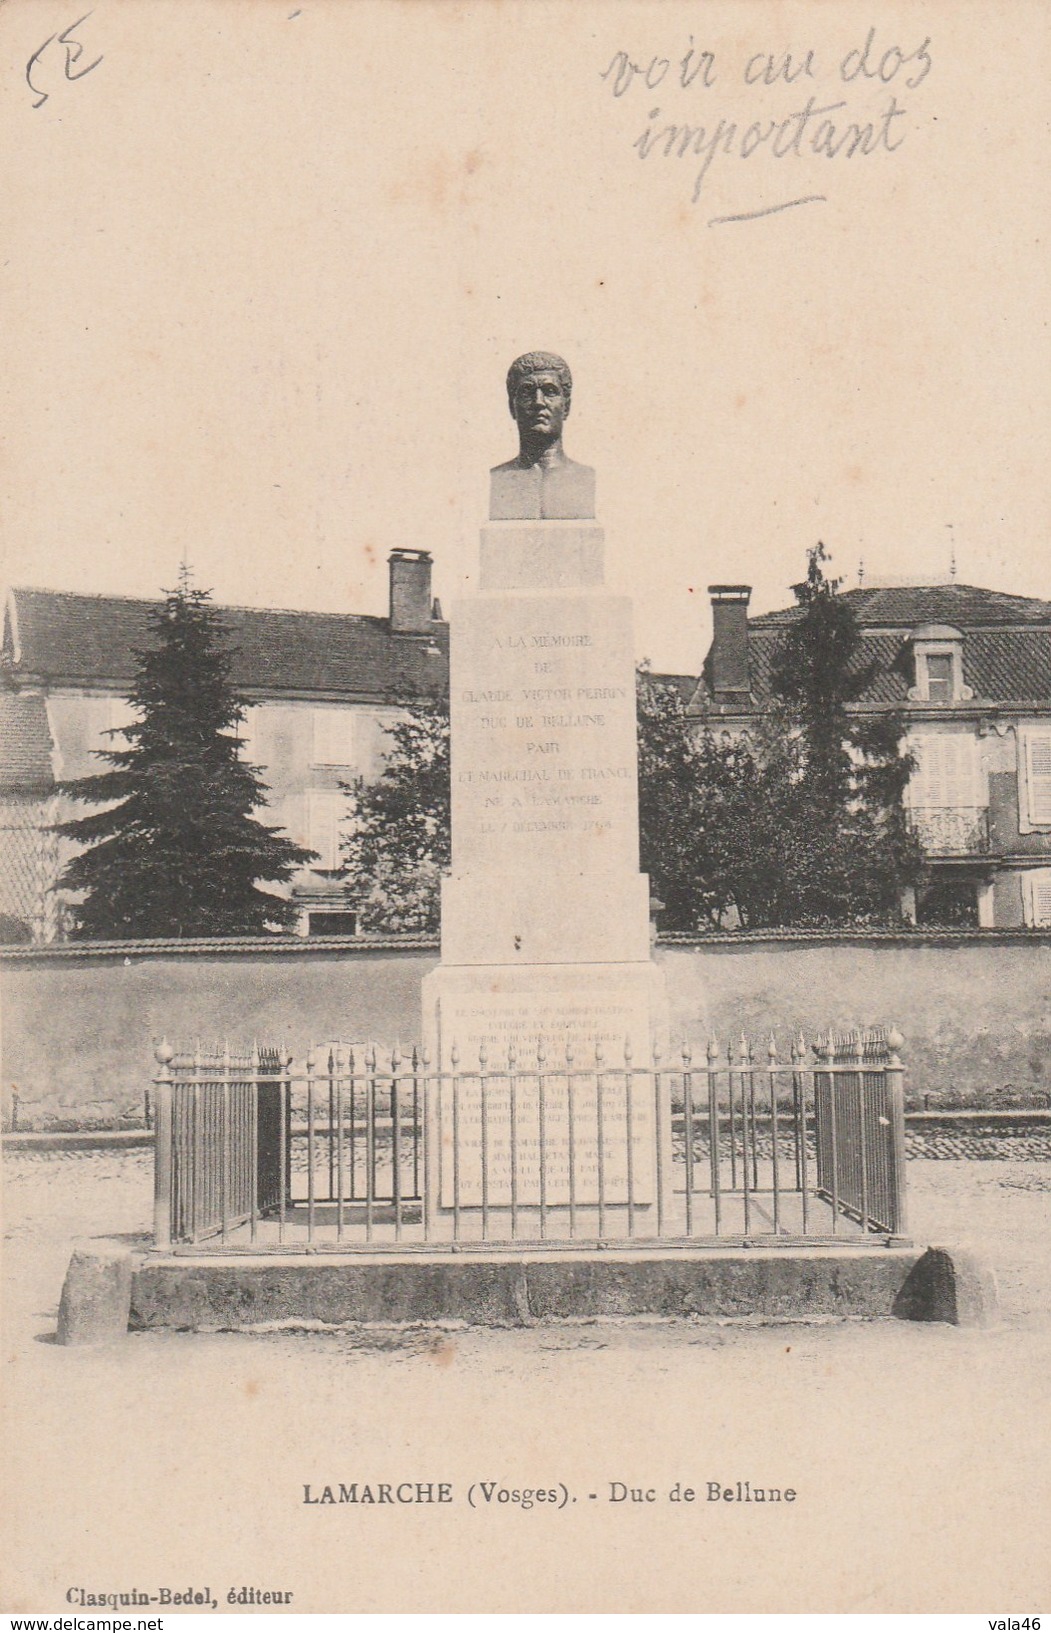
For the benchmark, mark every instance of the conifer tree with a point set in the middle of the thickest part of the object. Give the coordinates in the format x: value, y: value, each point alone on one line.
x: 174, y: 848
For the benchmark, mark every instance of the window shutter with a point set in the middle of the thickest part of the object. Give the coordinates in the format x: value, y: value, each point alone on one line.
x: 1042, y: 900
x: 333, y: 736
x: 324, y: 810
x: 1035, y: 806
x: 1036, y: 888
x: 947, y: 774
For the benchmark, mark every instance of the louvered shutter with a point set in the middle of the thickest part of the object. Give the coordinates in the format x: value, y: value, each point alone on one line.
x: 947, y: 774
x: 333, y: 736
x: 1037, y: 891
x: 1035, y: 806
x: 324, y: 814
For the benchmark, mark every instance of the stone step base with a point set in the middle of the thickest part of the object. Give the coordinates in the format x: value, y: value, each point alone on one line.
x: 209, y: 1292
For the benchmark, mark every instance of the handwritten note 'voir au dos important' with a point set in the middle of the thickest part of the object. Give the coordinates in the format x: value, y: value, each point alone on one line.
x: 795, y: 106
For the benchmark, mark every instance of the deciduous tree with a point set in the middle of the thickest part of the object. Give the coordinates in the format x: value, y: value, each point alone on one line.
x: 397, y: 844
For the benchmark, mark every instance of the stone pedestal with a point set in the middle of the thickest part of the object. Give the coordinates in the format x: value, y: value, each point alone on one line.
x: 545, y: 915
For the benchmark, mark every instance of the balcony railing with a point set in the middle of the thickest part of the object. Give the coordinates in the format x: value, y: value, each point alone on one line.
x: 951, y: 830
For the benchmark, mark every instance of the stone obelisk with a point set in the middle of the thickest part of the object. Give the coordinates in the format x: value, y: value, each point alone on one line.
x: 545, y: 921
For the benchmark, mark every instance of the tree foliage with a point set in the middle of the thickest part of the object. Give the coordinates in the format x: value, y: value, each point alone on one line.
x: 800, y: 822
x: 833, y: 780
x: 173, y: 848
x: 398, y: 840
x: 694, y: 795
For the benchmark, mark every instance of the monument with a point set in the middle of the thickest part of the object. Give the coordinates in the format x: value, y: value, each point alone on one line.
x: 545, y: 926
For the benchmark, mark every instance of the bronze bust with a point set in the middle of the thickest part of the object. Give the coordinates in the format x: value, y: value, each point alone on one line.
x: 541, y: 484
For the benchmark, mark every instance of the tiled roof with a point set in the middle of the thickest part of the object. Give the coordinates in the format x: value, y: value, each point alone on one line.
x: 905, y: 606
x: 999, y: 665
x: 25, y: 760
x: 685, y: 685
x: 93, y: 638
x: 1006, y: 641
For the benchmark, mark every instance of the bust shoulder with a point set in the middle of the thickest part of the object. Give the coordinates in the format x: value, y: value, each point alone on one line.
x: 518, y: 492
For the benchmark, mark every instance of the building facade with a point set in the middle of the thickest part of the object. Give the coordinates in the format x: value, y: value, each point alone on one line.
x: 970, y: 671
x: 321, y: 690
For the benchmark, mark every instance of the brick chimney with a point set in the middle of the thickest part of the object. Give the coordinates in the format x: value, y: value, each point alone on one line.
x: 410, y: 592
x: 729, y: 664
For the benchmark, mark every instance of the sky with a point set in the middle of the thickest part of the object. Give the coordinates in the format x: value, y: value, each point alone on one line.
x: 267, y: 264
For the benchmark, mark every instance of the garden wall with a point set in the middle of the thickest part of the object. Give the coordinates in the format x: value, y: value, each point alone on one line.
x: 974, y: 1006
x: 79, y: 1026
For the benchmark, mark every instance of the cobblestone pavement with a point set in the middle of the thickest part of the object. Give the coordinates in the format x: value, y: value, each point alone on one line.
x: 920, y: 1454
x: 946, y: 1145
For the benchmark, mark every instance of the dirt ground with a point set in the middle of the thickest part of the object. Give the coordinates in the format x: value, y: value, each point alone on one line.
x: 920, y: 1455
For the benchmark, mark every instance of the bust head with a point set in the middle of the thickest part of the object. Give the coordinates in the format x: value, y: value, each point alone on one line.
x: 540, y: 483
x: 539, y: 393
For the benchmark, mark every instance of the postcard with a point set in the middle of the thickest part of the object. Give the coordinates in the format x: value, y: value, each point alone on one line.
x: 565, y: 334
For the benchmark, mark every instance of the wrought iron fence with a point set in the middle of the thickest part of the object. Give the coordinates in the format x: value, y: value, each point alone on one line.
x: 951, y: 830
x: 354, y: 1149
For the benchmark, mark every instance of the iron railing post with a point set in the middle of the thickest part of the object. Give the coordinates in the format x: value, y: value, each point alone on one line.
x: 713, y: 1133
x: 162, y: 1149
x: 662, y: 1122
x: 311, y: 1131
x: 895, y: 1076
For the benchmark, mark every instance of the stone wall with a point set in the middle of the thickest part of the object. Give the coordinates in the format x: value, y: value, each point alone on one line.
x: 974, y: 1007
x: 78, y: 1026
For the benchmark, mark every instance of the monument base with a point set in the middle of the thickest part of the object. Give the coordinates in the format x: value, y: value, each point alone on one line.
x: 497, y: 1005
x: 547, y: 1097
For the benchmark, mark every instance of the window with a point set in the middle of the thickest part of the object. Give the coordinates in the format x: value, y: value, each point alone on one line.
x: 325, y: 809
x: 108, y: 715
x: 1036, y: 898
x: 937, y: 651
x: 949, y: 902
x: 121, y: 714
x: 939, y: 677
x: 334, y: 923
x: 1034, y: 778
x: 333, y: 736
x: 947, y: 774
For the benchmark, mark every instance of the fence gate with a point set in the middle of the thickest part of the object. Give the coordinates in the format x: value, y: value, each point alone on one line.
x: 230, y: 1138
x: 860, y: 1172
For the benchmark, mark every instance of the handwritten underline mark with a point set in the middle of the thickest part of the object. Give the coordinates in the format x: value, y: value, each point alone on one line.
x: 771, y: 209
